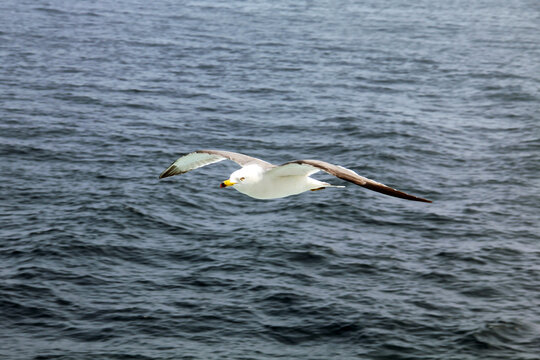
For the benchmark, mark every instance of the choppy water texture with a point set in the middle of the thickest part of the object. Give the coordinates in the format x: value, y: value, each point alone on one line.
x: 100, y: 260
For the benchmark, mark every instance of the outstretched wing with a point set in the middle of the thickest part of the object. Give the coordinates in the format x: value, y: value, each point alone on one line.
x: 202, y: 158
x: 308, y: 167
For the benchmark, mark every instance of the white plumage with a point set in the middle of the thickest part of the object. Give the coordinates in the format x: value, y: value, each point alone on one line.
x: 262, y: 180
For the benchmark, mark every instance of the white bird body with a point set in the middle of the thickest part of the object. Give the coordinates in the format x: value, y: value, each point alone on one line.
x: 262, y: 180
x: 260, y: 184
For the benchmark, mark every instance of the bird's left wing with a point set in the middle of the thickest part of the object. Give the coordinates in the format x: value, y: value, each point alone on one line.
x: 202, y: 158
x: 308, y: 167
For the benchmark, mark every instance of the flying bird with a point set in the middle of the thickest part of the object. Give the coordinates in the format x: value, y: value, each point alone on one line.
x: 262, y: 180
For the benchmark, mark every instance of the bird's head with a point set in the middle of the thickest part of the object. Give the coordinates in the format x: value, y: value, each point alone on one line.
x: 244, y: 176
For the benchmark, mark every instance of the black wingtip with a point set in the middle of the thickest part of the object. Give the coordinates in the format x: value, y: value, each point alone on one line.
x: 383, y: 189
x: 170, y: 171
x: 404, y: 195
x: 410, y: 197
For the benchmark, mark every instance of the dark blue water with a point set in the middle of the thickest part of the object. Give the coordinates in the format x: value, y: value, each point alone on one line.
x: 101, y: 260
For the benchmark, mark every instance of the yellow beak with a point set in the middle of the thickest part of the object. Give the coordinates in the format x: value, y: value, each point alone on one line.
x: 226, y: 183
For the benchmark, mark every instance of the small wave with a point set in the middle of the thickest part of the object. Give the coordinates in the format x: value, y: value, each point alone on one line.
x: 15, y: 310
x: 51, y: 11
x: 155, y: 221
x: 42, y: 274
x: 313, y: 332
x: 482, y: 291
x: 306, y: 257
x: 466, y: 257
x: 437, y: 276
x: 512, y: 335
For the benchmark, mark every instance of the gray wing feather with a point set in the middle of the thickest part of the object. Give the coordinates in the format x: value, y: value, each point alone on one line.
x: 202, y: 158
x: 351, y: 176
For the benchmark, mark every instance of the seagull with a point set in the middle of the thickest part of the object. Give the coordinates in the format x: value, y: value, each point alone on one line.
x: 262, y: 180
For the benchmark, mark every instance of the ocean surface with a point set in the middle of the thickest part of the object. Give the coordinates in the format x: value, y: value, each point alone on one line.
x: 101, y: 260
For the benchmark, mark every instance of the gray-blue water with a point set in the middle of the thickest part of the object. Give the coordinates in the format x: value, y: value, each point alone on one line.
x: 101, y: 260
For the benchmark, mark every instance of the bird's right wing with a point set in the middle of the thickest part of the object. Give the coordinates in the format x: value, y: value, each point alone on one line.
x: 202, y: 158
x: 308, y: 167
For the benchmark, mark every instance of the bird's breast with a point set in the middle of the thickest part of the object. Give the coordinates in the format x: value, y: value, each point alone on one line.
x: 277, y: 187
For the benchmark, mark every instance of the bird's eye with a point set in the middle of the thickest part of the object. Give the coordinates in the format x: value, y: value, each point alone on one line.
x: 242, y: 178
